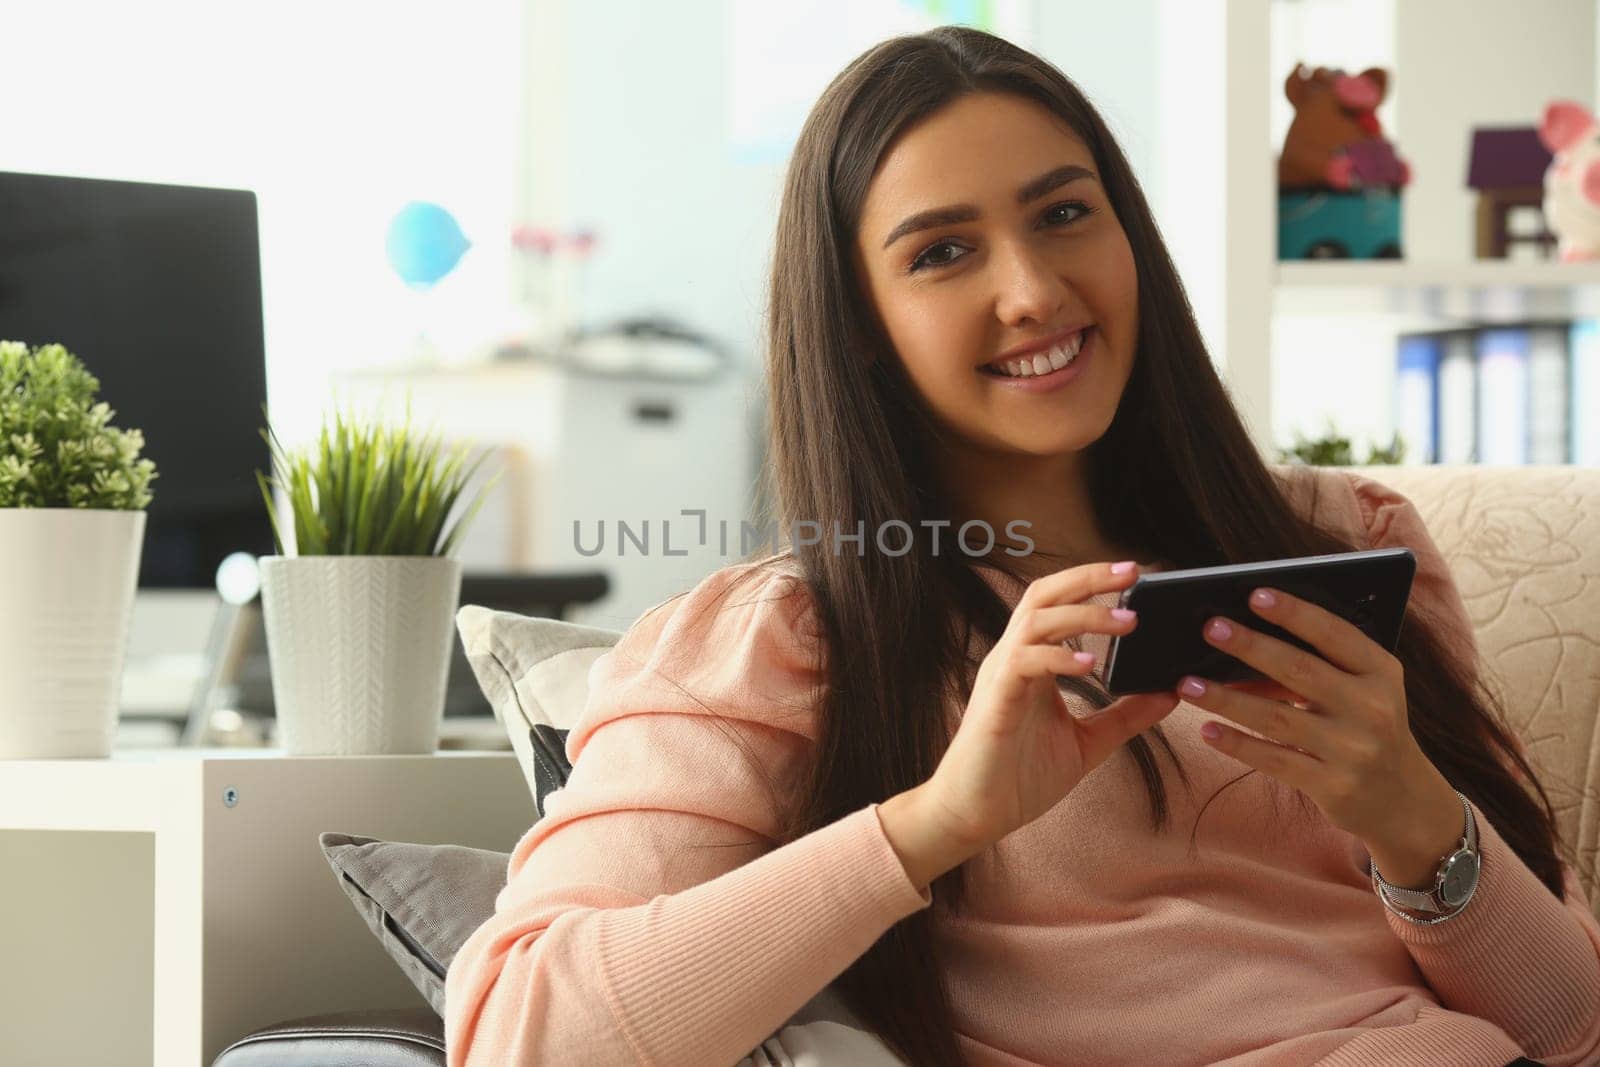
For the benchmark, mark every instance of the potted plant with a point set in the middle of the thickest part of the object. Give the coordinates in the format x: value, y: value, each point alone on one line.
x: 359, y: 613
x: 1333, y: 449
x: 73, y: 490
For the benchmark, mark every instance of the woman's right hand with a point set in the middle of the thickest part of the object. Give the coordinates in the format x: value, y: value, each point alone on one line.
x: 1018, y: 750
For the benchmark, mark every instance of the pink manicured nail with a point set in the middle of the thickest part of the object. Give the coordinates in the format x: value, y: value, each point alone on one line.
x: 1083, y: 657
x: 1210, y: 731
x: 1193, y: 687
x: 1124, y: 614
x: 1263, y: 598
x: 1219, y: 629
x: 1125, y: 567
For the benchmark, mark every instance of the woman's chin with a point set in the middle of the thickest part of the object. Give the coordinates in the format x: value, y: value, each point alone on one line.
x: 1046, y: 446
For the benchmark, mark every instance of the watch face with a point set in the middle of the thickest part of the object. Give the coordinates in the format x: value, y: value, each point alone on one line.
x: 1460, y: 876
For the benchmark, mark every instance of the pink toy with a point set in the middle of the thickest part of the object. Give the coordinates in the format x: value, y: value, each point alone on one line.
x: 1572, y: 182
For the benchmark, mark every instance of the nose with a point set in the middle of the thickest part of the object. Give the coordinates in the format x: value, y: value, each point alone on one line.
x: 1027, y: 289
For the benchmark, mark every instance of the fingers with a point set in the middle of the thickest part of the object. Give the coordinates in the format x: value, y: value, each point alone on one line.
x: 1341, y: 642
x: 1294, y: 668
x: 1079, y: 583
x: 1102, y: 734
x: 1285, y: 764
x: 1028, y: 664
x: 1055, y: 624
x: 1047, y: 661
x: 1269, y: 689
x: 1274, y: 720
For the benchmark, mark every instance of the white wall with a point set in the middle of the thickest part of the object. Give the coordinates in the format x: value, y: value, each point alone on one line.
x: 338, y: 113
x: 334, y: 113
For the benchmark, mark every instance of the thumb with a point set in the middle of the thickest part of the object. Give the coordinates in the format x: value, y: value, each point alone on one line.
x: 1108, y: 730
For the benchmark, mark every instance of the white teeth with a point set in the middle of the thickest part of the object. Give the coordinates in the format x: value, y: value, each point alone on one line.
x: 1043, y: 362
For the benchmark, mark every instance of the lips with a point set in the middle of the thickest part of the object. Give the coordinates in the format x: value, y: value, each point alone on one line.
x: 1043, y: 344
x: 1042, y: 362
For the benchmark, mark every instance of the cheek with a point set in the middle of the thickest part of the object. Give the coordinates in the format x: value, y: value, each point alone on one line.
x: 1120, y: 277
x: 938, y: 341
x: 1117, y: 295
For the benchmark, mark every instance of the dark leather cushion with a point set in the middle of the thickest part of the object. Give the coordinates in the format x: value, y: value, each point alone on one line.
x: 412, y: 1037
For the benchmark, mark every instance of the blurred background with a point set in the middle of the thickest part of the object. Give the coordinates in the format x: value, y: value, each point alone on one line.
x: 548, y: 222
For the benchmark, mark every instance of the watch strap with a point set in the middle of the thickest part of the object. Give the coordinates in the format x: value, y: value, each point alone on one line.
x: 1429, y: 900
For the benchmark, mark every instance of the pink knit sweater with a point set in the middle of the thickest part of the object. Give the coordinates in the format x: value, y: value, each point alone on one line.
x: 648, y: 917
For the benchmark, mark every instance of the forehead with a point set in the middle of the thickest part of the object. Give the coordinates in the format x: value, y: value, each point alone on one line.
x: 978, y: 149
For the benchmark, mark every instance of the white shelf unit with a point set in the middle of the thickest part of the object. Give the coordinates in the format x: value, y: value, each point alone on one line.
x: 1303, y: 342
x: 160, y: 905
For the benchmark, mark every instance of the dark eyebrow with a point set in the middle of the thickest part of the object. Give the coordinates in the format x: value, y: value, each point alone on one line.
x: 948, y: 216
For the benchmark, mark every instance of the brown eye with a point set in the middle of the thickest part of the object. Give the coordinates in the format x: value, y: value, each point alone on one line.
x: 923, y: 260
x: 1071, y: 205
x: 927, y: 259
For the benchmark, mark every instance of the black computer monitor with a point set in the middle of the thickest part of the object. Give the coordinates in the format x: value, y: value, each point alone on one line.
x: 157, y: 288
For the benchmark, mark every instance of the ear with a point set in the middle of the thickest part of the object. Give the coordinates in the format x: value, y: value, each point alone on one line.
x: 1379, y: 78
x: 1566, y: 122
x: 1295, y: 86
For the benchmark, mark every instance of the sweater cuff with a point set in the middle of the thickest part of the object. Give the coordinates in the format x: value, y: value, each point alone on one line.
x: 904, y: 889
x: 1515, y: 955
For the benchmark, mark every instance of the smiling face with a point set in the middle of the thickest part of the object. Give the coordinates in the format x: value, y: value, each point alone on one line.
x: 1032, y: 249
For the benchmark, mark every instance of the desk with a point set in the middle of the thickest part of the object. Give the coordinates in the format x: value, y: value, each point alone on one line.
x: 158, y: 905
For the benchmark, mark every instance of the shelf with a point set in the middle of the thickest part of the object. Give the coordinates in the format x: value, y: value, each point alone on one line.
x: 227, y: 918
x: 1305, y: 341
x: 1426, y: 294
x: 1403, y: 274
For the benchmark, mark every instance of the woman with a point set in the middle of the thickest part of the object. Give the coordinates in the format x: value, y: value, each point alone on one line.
x: 852, y: 765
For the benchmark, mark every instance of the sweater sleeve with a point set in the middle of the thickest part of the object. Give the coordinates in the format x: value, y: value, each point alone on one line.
x: 1516, y: 956
x: 649, y: 917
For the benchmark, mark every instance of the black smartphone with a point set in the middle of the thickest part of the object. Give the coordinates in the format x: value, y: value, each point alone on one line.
x: 1369, y: 588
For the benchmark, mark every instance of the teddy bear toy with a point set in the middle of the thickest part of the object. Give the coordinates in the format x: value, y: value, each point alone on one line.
x: 1339, y: 177
x: 1572, y: 181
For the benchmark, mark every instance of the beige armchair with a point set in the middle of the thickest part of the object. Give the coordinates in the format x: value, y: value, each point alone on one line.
x: 1523, y: 544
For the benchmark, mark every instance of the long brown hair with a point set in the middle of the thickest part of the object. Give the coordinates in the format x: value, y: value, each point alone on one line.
x: 1175, y: 475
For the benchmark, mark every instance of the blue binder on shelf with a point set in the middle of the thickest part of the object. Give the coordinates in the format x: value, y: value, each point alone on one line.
x: 1503, y: 396
x: 1416, y: 416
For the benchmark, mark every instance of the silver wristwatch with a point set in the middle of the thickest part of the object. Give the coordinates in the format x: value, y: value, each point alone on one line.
x: 1453, y: 885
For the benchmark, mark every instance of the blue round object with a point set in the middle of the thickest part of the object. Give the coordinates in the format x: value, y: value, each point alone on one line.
x: 425, y: 243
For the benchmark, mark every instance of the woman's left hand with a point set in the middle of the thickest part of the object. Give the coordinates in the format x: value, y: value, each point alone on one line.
x: 1336, y: 727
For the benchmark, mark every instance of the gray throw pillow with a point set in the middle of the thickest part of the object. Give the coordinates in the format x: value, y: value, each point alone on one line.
x: 535, y: 674
x: 422, y: 902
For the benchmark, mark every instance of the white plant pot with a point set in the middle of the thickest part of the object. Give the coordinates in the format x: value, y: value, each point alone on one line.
x: 360, y: 651
x: 67, y: 579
